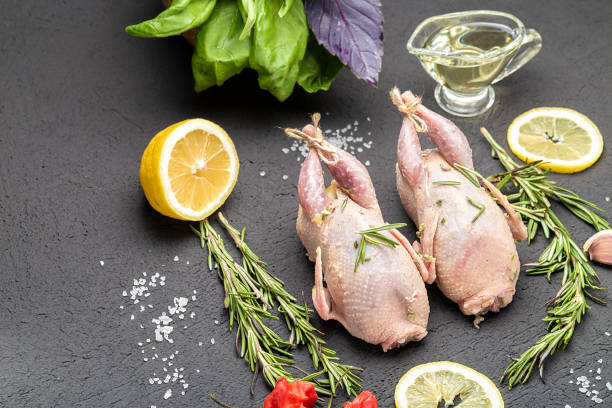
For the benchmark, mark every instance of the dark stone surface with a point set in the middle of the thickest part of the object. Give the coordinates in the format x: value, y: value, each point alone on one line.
x: 79, y: 101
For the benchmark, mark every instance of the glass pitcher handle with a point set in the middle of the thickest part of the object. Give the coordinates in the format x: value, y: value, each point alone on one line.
x: 532, y: 43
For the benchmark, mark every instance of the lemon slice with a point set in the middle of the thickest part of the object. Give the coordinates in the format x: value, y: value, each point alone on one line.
x: 426, y: 385
x: 566, y: 140
x: 189, y: 169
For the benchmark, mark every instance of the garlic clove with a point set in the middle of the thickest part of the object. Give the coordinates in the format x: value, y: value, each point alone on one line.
x: 599, y: 247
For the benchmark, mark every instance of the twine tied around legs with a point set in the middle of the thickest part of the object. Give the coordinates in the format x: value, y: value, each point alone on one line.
x: 316, y: 141
x: 408, y: 109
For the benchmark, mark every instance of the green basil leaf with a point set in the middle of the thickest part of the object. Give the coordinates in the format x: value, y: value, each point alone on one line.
x: 219, y: 52
x: 181, y: 16
x: 278, y: 45
x: 247, y: 9
x: 286, y: 7
x: 318, y: 68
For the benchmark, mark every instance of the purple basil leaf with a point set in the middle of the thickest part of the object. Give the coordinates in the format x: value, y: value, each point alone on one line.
x: 352, y: 30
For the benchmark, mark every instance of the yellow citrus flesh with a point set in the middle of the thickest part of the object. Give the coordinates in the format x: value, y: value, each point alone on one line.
x: 426, y: 385
x: 189, y: 169
x: 565, y: 140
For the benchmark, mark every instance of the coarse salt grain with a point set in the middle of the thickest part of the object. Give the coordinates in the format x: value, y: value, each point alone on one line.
x: 609, y: 386
x: 168, y: 393
x: 101, y: 263
x: 600, y: 360
x: 607, y: 198
x: 607, y: 333
x: 262, y: 173
x: 176, y: 258
x: 285, y: 177
x: 212, y: 341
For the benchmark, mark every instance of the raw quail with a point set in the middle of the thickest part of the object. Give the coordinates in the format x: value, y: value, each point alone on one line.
x: 467, y: 242
x: 383, y: 301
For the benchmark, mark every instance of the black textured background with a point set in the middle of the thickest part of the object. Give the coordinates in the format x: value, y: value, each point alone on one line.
x: 79, y: 101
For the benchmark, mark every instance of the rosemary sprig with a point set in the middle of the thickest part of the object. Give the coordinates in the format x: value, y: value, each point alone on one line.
x: 296, y: 318
x: 258, y: 344
x: 566, y: 309
x: 373, y: 236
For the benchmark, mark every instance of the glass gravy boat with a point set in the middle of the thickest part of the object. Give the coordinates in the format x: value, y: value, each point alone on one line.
x: 468, y: 51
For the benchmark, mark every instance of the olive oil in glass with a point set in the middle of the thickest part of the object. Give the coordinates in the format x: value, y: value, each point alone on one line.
x: 469, y: 40
x: 466, y: 52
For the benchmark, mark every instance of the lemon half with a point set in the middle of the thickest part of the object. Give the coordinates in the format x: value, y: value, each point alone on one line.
x: 189, y: 169
x: 426, y: 385
x: 566, y: 140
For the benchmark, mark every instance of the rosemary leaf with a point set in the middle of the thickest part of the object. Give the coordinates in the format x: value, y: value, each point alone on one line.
x: 469, y: 174
x: 481, y: 207
x: 446, y: 183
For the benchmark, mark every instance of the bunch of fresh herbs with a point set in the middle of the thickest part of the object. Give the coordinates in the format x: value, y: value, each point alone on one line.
x: 533, y: 193
x: 250, y: 293
x: 273, y: 38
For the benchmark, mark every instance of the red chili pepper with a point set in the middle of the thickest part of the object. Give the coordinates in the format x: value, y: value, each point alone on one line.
x: 364, y: 400
x: 296, y: 394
